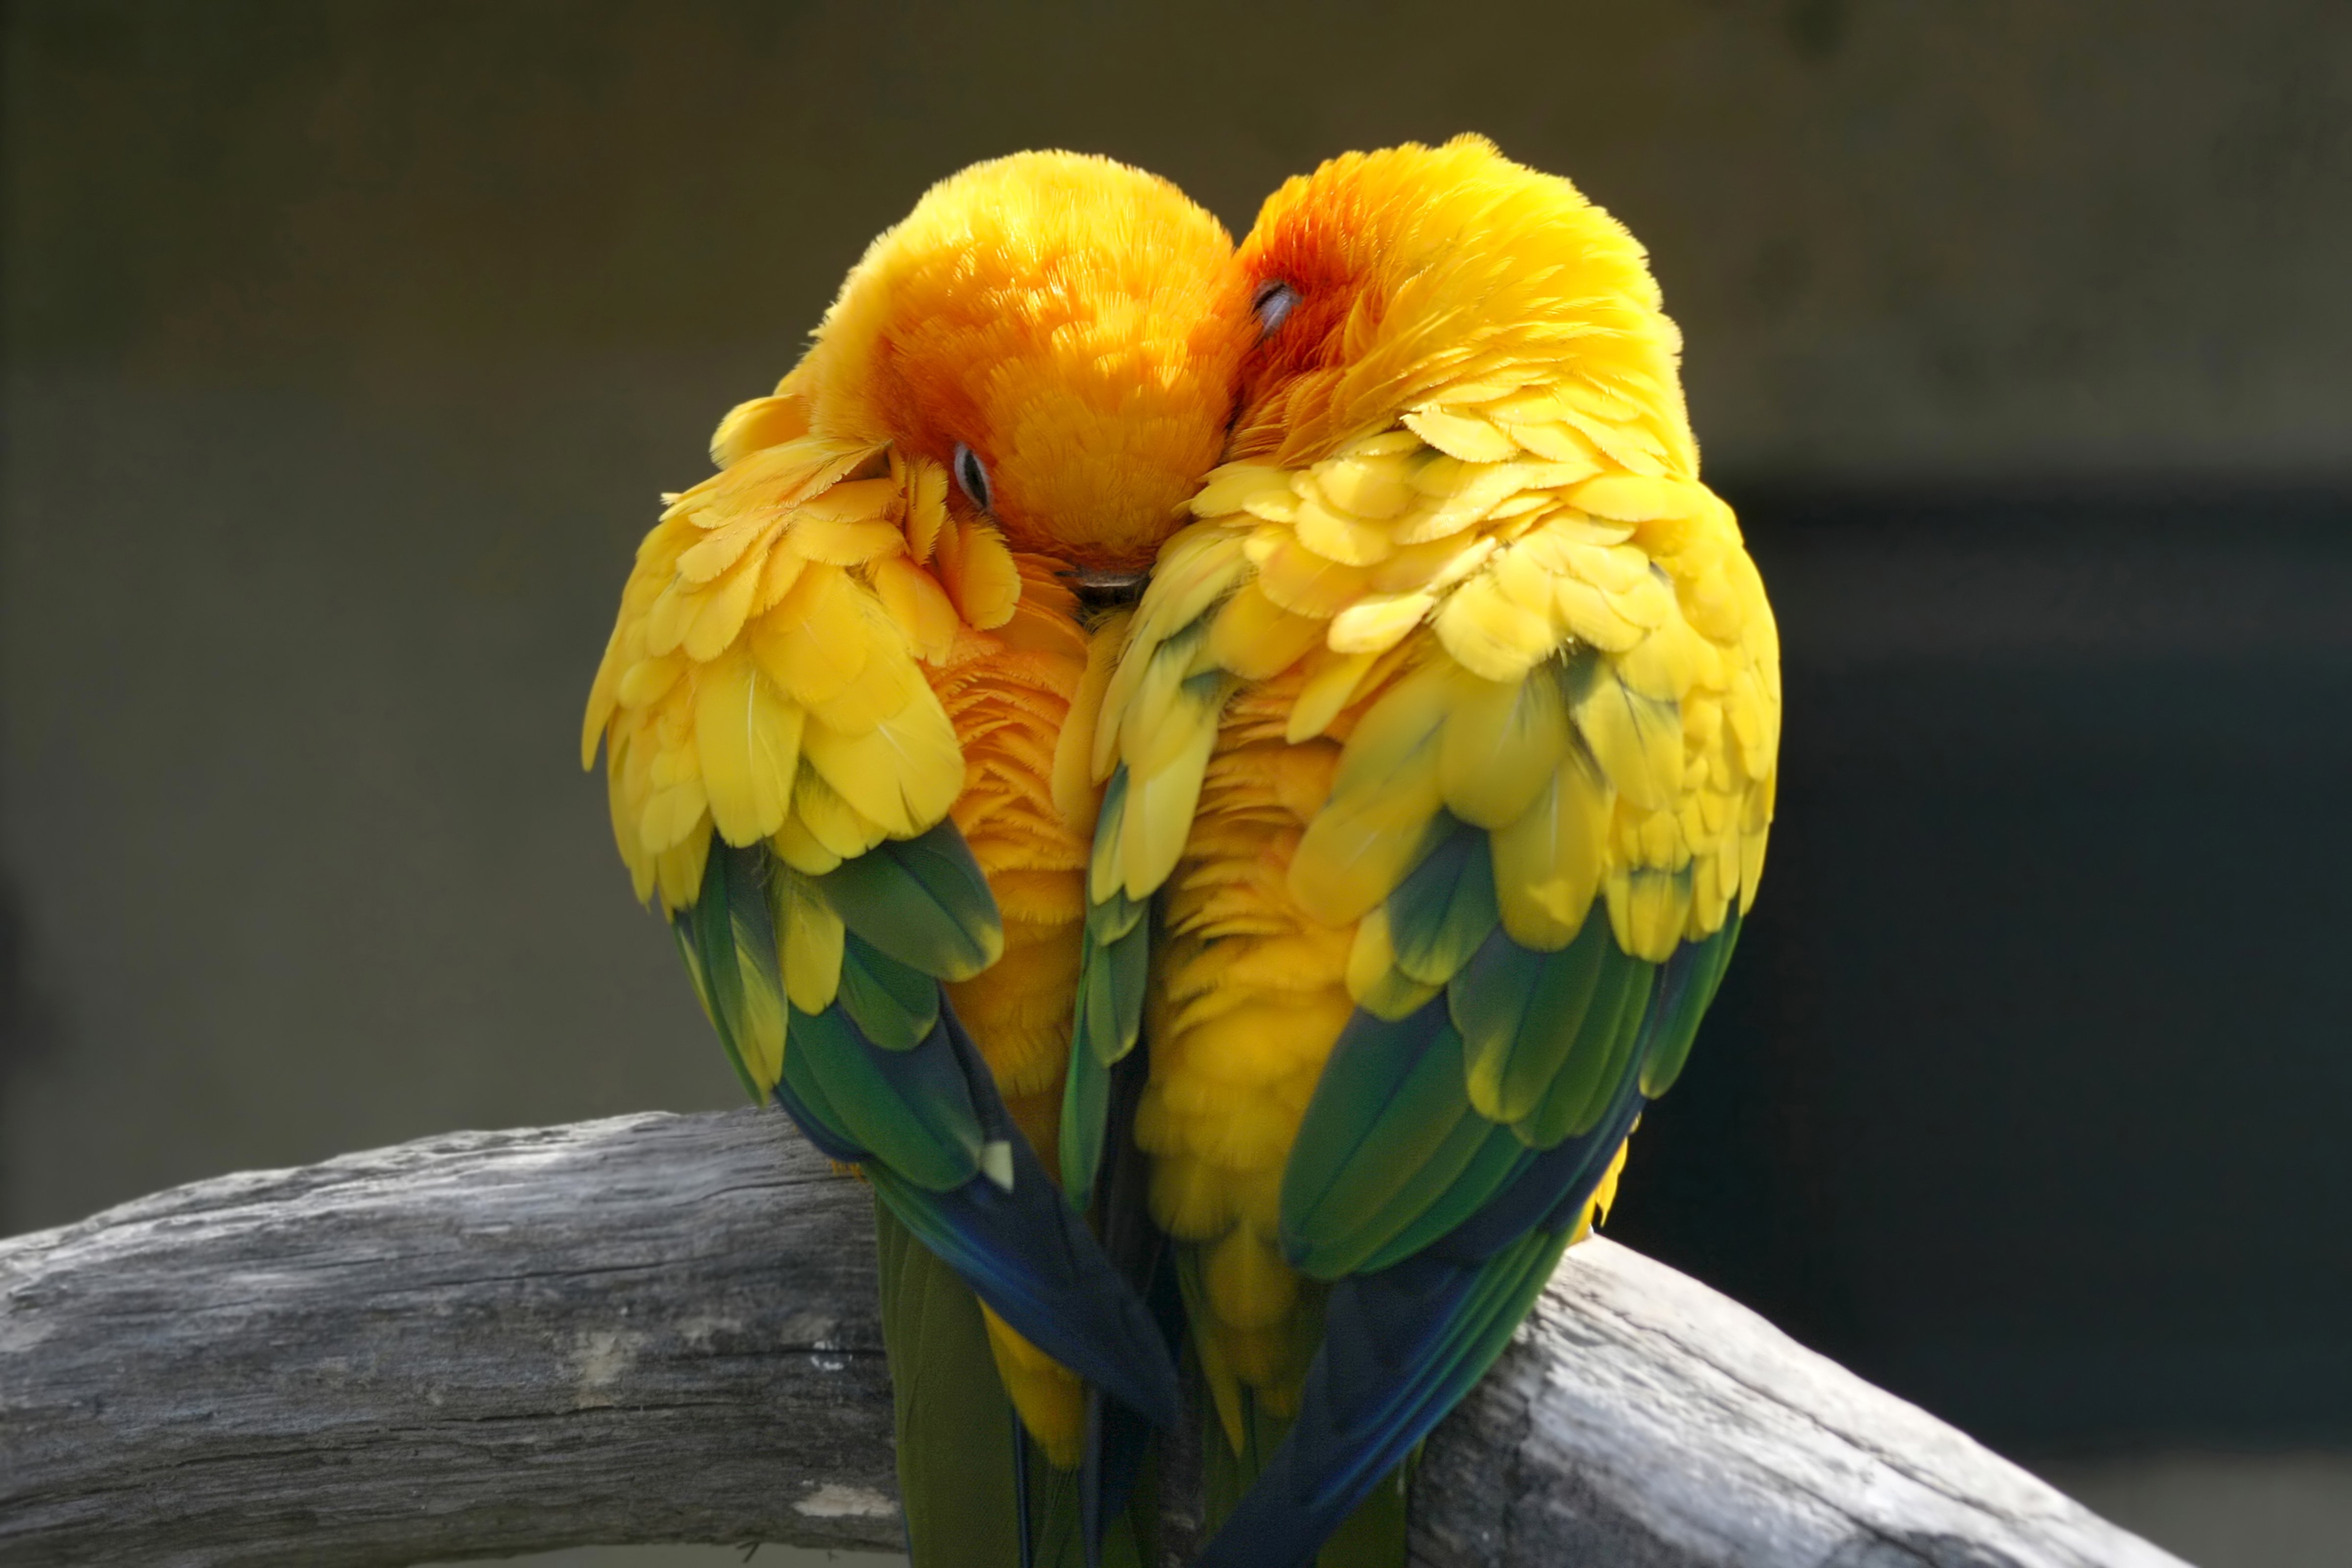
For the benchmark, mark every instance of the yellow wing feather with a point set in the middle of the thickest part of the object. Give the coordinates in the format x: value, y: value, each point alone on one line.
x: 761, y: 680
x: 1647, y: 752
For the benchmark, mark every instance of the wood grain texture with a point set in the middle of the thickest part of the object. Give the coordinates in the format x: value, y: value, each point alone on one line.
x: 662, y: 1328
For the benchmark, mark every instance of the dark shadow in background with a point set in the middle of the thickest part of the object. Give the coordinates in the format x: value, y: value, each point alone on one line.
x: 24, y: 1027
x: 2026, y: 1095
x: 357, y: 338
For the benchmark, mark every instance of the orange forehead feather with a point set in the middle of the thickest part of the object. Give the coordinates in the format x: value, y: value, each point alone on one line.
x: 1413, y: 264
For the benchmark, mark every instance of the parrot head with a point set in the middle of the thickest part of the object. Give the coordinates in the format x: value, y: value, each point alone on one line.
x: 1061, y: 333
x: 1383, y: 275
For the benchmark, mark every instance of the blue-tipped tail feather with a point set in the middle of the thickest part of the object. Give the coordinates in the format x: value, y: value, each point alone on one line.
x: 1005, y: 1230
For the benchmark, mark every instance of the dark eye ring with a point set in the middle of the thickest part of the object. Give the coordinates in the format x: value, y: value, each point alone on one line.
x: 971, y: 475
x: 1271, y: 304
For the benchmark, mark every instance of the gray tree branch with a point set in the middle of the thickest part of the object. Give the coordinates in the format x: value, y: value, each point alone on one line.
x: 662, y: 1328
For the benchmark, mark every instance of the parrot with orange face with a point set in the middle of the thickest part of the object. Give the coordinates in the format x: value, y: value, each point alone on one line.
x: 837, y: 718
x: 1438, y: 762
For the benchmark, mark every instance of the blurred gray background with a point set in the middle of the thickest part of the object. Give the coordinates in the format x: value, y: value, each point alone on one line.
x: 348, y: 346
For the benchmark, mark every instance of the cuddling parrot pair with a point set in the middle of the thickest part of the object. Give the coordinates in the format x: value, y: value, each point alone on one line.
x: 1222, y: 781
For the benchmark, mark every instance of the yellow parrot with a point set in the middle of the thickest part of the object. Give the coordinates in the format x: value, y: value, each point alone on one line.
x: 836, y: 711
x: 1439, y: 760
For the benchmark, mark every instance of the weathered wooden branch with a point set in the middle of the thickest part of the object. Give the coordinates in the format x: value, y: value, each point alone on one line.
x: 662, y: 1328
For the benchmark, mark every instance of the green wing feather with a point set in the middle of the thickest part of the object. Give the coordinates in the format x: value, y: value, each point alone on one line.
x: 686, y: 932
x: 1523, y: 1014
x: 1393, y: 1108
x: 1684, y: 998
x: 921, y: 901
x: 923, y: 1125
x: 1601, y: 1056
x: 894, y: 1005
x: 1114, y: 969
x: 1442, y: 912
x: 883, y: 1075
x: 1419, y: 1123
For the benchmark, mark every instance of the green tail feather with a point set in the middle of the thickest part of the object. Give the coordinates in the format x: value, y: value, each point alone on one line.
x: 956, y: 1479
x: 1374, y: 1536
x: 960, y: 1479
x: 1132, y: 1539
x: 1224, y: 1474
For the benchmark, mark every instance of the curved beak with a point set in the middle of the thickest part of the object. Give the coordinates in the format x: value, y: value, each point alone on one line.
x: 1107, y: 589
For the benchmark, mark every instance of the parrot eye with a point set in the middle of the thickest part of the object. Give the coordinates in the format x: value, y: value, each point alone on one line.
x: 971, y: 475
x: 1271, y: 303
